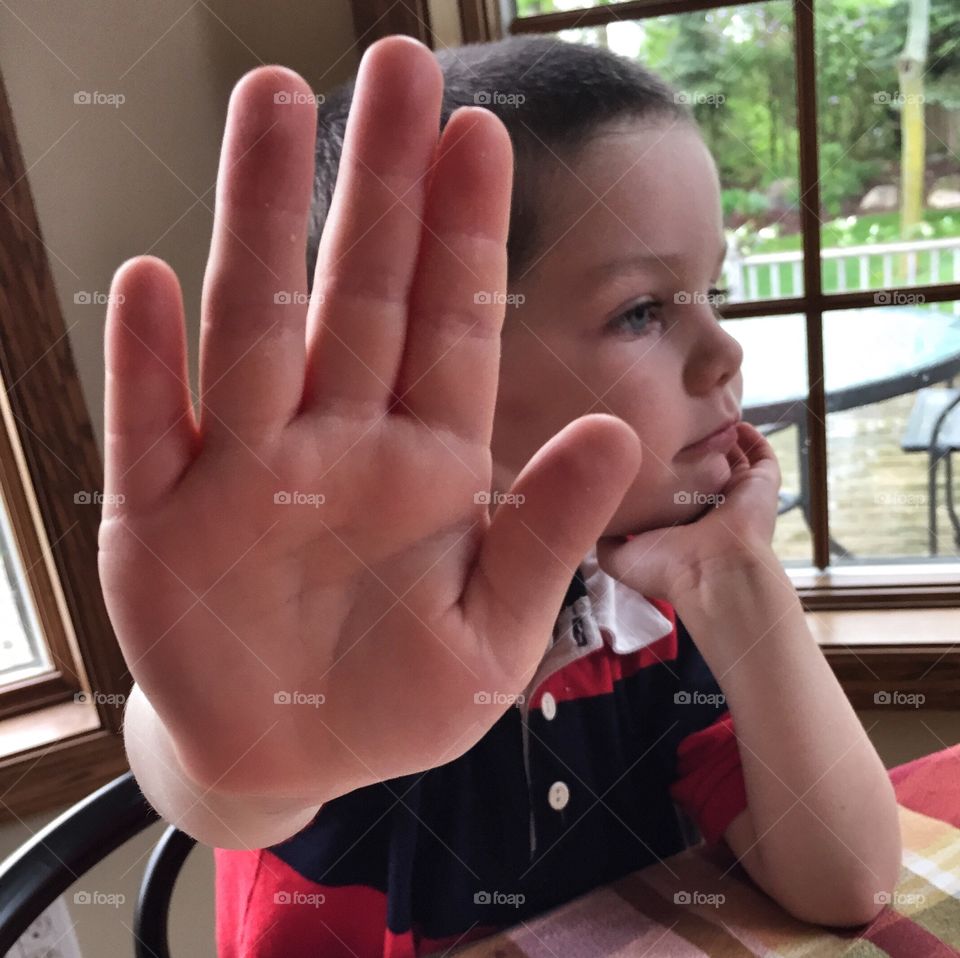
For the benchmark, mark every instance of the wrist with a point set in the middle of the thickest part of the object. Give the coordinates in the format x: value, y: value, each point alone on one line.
x: 207, y: 814
x: 704, y: 580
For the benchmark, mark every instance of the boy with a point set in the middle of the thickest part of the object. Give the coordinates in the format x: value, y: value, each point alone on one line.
x: 338, y: 591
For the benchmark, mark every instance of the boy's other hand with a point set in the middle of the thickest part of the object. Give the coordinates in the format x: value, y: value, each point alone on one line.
x: 658, y: 562
x: 306, y: 583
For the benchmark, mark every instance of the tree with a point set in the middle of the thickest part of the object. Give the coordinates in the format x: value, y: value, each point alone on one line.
x: 910, y: 69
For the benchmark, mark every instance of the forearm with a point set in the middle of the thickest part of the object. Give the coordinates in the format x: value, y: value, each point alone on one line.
x: 211, y: 817
x: 822, y: 805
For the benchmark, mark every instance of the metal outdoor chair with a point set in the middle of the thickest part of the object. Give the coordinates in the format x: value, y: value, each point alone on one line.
x: 41, y: 869
x: 801, y: 498
x: 787, y: 500
x: 934, y: 428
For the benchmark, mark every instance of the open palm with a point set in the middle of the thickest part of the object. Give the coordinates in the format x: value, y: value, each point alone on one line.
x: 306, y: 582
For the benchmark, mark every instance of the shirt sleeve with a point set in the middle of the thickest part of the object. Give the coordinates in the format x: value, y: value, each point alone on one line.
x: 700, y: 742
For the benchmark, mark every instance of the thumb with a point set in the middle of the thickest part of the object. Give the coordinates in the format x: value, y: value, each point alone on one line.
x: 565, y: 496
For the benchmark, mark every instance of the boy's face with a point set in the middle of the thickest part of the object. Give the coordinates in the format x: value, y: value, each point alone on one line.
x: 669, y: 370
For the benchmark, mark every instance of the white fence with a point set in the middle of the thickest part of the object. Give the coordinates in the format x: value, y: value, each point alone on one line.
x: 927, y: 261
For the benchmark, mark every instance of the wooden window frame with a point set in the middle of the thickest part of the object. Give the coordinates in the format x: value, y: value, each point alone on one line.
x: 56, y: 743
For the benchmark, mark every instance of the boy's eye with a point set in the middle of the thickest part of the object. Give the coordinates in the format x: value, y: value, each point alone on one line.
x: 636, y: 318
x: 718, y: 295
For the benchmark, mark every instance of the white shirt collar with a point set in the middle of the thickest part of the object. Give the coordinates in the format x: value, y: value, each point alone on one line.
x: 628, y: 620
x: 610, y: 612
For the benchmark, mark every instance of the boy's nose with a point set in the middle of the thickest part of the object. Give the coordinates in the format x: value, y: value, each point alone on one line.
x: 715, y: 356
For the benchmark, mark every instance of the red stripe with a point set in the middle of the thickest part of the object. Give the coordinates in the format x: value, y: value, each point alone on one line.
x: 901, y: 937
x: 596, y: 673
x: 930, y: 785
x: 287, y: 914
x: 709, y: 786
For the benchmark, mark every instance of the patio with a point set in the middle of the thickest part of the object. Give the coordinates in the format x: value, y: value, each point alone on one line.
x: 878, y: 494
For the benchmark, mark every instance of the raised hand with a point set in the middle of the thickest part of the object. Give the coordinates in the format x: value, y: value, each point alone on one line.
x: 306, y: 583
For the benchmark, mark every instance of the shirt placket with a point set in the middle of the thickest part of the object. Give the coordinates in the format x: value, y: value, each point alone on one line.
x: 579, y: 635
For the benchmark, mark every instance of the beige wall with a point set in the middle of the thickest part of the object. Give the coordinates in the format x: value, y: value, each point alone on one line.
x: 113, y: 183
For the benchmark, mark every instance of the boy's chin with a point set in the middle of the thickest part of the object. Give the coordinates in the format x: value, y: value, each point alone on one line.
x: 681, y: 508
x: 636, y: 525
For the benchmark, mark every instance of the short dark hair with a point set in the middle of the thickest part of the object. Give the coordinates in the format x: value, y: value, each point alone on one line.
x: 551, y: 96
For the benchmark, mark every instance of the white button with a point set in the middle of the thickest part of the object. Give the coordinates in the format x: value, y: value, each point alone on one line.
x: 549, y: 706
x: 559, y: 795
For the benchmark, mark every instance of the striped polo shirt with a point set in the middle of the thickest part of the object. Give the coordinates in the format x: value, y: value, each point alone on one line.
x: 620, y: 752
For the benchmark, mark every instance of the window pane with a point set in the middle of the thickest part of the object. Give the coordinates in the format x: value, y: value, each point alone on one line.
x: 875, y: 124
x: 22, y: 652
x: 774, y: 400
x: 888, y: 375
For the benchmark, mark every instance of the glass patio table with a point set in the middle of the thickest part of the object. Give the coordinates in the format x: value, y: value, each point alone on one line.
x: 869, y: 355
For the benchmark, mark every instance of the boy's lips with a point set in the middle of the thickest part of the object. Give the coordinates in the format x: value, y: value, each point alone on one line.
x: 720, y: 440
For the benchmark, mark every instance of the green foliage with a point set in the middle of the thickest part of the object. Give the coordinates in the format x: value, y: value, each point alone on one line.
x: 843, y: 176
x: 747, y: 202
x: 736, y: 64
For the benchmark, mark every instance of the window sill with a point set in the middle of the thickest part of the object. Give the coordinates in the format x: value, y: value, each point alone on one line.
x: 55, y: 756
x: 59, y: 754
x: 893, y: 658
x: 886, y: 627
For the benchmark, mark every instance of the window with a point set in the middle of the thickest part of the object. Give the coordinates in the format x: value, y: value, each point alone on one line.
x: 847, y: 301
x: 56, y: 643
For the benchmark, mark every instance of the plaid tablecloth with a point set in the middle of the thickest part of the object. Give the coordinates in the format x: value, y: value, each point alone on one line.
x: 641, y: 915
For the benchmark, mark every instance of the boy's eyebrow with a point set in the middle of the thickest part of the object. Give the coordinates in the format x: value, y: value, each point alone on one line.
x: 601, y: 271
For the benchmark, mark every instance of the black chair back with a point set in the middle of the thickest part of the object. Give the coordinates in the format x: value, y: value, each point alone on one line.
x: 41, y: 869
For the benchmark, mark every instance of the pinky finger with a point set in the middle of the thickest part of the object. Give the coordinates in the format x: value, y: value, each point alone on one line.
x: 149, y: 429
